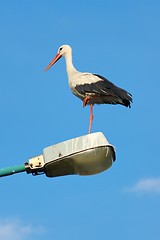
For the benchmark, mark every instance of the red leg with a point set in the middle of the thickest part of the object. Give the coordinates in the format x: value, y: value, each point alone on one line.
x: 85, y: 101
x: 91, y: 118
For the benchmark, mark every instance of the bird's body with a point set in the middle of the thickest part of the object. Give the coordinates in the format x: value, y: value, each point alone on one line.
x: 98, y: 90
x: 91, y: 88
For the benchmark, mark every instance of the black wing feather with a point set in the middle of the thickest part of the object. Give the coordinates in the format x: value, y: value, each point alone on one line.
x: 107, y: 91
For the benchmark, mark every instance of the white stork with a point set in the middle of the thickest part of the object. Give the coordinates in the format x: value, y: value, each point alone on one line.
x: 91, y: 88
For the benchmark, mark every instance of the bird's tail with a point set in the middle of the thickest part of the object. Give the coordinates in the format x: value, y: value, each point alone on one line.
x: 127, y: 100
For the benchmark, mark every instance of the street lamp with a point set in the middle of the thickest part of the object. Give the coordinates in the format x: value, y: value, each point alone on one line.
x: 85, y: 155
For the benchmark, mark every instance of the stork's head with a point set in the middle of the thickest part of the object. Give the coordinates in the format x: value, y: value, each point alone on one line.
x: 62, y: 51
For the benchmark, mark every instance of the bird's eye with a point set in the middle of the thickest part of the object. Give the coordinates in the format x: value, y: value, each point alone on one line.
x: 61, y: 49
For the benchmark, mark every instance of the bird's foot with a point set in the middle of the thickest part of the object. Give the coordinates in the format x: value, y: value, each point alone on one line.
x: 90, y: 124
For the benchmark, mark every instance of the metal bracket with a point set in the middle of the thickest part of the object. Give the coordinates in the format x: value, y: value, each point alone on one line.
x: 35, y: 165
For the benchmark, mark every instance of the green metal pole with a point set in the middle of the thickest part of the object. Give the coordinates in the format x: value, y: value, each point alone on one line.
x: 12, y: 170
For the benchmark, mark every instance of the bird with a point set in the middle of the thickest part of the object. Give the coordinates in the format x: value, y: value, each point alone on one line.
x: 90, y: 88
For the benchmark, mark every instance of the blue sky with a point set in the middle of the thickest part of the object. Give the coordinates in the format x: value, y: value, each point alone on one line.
x: 119, y: 40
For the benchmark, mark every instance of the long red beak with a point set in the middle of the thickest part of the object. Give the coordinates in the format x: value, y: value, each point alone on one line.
x: 55, y: 59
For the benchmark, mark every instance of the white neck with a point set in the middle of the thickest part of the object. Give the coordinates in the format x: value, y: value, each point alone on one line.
x: 69, y: 65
